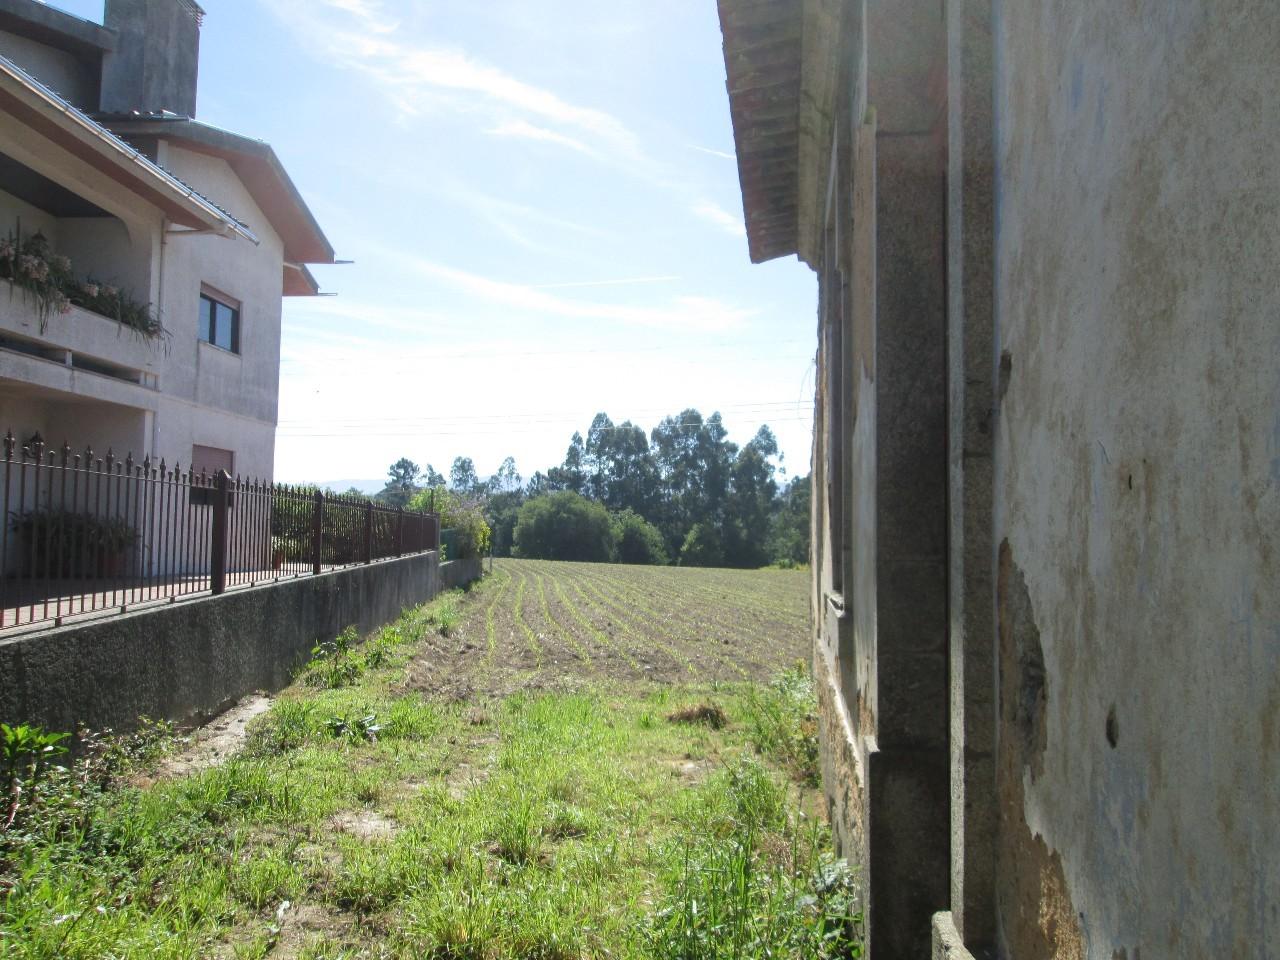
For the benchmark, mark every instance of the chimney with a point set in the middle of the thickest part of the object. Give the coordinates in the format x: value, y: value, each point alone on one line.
x: 156, y: 59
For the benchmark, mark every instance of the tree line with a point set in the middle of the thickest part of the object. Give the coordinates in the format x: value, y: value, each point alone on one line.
x: 681, y: 493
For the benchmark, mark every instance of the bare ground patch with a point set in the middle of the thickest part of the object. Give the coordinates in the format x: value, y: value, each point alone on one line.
x: 216, y: 741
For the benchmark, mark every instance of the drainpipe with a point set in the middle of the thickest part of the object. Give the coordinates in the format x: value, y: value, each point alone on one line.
x: 164, y: 243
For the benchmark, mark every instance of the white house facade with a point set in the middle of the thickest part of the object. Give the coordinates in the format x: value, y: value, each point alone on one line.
x: 149, y: 217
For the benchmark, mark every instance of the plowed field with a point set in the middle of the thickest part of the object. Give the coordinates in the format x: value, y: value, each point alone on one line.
x: 542, y: 624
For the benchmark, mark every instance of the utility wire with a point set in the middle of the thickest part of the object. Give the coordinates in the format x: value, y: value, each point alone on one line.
x: 764, y: 406
x: 546, y: 426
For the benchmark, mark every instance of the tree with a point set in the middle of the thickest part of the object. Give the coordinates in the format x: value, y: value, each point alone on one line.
x: 750, y: 503
x: 702, y: 547
x: 401, y: 482
x: 564, y: 526
x: 507, y: 479
x: 639, y: 541
x: 502, y: 511
x: 462, y: 476
x: 789, y: 532
x: 431, y: 477
x: 693, y: 460
x: 572, y: 474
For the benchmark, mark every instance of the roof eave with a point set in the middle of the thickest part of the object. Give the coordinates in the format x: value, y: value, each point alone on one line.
x: 782, y: 61
x: 258, y: 166
x: 47, y: 114
x: 299, y: 281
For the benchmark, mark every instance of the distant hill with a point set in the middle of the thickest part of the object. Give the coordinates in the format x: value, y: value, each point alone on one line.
x: 366, y: 486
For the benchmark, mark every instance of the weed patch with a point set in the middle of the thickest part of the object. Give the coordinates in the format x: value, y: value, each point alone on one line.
x: 782, y: 722
x: 752, y: 881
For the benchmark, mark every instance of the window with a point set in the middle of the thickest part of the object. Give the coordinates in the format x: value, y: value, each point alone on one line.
x: 219, y: 320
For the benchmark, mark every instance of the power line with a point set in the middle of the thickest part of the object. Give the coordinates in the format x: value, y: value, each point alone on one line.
x: 350, y: 434
x: 762, y: 406
x: 666, y: 348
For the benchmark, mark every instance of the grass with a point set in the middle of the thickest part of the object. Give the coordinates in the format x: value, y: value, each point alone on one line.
x: 364, y: 818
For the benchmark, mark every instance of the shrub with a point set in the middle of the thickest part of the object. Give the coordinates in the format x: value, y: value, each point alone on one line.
x: 638, y: 540
x: 461, y: 513
x: 564, y: 526
x: 703, y: 547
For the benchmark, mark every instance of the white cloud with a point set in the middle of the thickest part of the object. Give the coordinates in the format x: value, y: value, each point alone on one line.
x: 722, y: 218
x: 369, y: 12
x: 680, y: 313
x: 626, y: 281
x: 417, y: 77
x: 522, y: 129
x: 715, y: 153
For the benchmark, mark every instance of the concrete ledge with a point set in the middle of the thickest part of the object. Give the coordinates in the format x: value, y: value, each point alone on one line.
x: 192, y: 658
x: 946, y: 939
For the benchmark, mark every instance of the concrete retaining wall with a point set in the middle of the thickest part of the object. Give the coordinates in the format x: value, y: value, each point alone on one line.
x: 190, y: 659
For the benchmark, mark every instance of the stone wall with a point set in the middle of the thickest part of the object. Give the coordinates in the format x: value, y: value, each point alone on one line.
x: 188, y: 660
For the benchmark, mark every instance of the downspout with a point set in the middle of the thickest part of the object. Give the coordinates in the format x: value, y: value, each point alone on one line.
x: 164, y: 243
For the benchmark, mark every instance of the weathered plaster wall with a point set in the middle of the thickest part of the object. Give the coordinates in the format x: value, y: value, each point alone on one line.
x: 1138, y: 480
x: 190, y: 659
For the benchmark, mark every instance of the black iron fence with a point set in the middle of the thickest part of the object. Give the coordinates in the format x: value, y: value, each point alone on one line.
x: 84, y: 533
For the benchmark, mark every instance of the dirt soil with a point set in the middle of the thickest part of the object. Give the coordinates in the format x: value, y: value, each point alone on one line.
x: 543, y: 625
x: 217, y: 740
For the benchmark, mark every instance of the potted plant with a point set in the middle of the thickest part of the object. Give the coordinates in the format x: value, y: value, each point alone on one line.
x: 60, y: 543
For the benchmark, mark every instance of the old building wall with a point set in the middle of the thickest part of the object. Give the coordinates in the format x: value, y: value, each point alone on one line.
x: 1137, y: 491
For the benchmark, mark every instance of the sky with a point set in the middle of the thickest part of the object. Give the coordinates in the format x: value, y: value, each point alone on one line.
x: 542, y: 204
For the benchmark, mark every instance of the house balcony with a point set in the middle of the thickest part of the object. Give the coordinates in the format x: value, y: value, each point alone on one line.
x: 71, y: 345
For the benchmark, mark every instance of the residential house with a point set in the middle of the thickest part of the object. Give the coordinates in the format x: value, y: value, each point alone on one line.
x: 197, y: 227
x: 1046, y: 467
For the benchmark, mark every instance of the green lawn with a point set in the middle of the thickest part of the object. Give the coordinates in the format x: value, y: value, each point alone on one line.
x: 369, y: 814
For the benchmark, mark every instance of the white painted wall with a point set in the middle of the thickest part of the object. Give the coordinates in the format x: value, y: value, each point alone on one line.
x: 15, y: 212
x: 203, y: 395
x: 213, y: 397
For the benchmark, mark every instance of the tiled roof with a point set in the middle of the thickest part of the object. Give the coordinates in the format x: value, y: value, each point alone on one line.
x: 762, y: 53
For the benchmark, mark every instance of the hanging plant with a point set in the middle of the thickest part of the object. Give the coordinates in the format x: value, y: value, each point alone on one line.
x: 47, y: 281
x: 42, y: 276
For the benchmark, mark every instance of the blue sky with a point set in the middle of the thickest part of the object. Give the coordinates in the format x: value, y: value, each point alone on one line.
x: 543, y: 207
